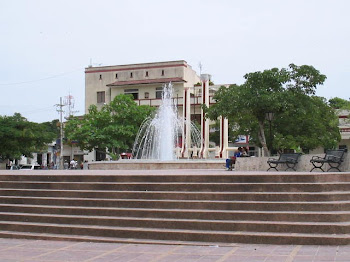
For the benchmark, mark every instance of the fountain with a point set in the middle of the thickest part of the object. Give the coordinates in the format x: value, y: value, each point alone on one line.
x: 161, y: 141
x: 162, y: 136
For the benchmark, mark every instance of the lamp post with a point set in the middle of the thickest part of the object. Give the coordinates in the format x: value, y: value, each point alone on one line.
x: 269, y: 117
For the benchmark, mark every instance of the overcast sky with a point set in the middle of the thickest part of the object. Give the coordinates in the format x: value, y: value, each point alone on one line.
x: 46, y: 45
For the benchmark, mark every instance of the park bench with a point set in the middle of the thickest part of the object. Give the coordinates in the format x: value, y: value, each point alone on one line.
x: 289, y: 159
x: 333, y: 158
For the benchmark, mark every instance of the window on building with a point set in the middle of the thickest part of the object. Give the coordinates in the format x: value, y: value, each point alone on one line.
x: 159, y: 91
x: 131, y: 75
x: 146, y: 95
x: 100, y: 77
x: 162, y: 72
x: 133, y: 92
x: 146, y: 73
x: 116, y: 76
x: 101, y: 97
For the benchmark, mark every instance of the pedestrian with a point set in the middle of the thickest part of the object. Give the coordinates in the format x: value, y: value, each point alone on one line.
x: 65, y: 164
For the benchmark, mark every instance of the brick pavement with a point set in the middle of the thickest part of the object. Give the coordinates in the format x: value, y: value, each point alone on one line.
x: 58, y: 251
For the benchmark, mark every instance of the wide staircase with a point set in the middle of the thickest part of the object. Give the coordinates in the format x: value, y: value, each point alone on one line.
x: 172, y: 207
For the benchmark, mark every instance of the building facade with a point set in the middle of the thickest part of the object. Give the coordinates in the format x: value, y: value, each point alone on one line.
x: 143, y: 81
x: 344, y: 127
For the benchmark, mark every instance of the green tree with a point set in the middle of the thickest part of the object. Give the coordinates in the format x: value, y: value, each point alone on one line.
x: 280, y: 91
x: 306, y: 123
x: 214, y: 136
x: 339, y: 103
x: 52, y: 127
x: 20, y: 137
x: 111, y: 129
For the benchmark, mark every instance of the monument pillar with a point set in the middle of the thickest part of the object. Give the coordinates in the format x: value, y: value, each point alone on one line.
x: 223, y: 137
x: 186, y: 139
x: 204, y: 152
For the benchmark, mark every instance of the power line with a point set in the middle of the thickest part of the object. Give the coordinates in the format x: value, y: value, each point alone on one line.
x: 38, y: 110
x: 37, y: 80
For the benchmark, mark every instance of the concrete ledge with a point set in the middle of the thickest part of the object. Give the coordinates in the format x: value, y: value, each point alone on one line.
x: 304, y: 165
x: 242, y: 164
x: 137, y: 164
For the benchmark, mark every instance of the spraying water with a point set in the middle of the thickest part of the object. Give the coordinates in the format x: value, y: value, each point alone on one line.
x: 159, y: 137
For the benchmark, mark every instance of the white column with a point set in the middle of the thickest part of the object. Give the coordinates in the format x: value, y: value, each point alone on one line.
x: 186, y: 140
x: 205, y: 122
x: 223, y: 137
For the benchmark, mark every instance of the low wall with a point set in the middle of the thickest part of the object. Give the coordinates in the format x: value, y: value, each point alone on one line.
x: 304, y: 165
x: 136, y: 164
x: 242, y: 164
x: 2, y: 166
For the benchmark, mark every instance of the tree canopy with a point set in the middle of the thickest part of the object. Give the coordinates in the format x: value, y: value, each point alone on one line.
x: 300, y: 118
x: 20, y: 137
x: 110, y: 129
x: 339, y: 103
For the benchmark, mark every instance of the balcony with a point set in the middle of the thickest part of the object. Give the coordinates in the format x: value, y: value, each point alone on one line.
x: 179, y: 101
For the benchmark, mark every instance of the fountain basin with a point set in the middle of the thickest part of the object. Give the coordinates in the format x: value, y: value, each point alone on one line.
x: 139, y: 164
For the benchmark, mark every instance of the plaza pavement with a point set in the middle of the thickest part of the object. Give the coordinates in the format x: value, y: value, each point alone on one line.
x: 59, y: 251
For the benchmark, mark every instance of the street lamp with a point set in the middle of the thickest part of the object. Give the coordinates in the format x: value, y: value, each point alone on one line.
x: 269, y: 117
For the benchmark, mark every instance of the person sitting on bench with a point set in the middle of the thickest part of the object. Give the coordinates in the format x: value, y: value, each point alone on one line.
x: 230, y: 162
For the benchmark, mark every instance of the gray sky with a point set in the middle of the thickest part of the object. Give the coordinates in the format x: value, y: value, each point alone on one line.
x: 45, y: 45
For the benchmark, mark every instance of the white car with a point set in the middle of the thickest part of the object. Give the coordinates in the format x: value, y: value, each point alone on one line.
x: 30, y: 167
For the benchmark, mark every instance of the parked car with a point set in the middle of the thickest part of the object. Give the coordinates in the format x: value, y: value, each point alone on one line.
x: 30, y: 167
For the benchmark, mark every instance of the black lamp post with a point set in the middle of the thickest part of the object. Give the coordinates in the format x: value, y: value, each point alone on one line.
x: 269, y: 117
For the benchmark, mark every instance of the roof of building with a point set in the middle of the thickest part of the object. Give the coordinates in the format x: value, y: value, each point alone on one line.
x: 100, y: 69
x: 148, y: 81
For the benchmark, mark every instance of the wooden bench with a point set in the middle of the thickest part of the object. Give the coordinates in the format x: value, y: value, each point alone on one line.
x: 333, y: 158
x: 290, y: 159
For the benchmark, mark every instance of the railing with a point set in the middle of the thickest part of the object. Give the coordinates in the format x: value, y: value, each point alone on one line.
x: 179, y: 101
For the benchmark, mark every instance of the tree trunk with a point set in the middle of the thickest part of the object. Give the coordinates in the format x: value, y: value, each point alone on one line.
x: 262, y: 138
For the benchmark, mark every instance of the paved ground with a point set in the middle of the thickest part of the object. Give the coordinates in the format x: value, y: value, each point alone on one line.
x: 54, y: 251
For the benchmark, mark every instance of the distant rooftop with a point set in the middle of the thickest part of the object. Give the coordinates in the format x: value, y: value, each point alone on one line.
x: 92, y: 69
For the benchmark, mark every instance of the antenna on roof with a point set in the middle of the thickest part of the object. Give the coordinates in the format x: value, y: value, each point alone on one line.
x: 69, y: 101
x: 200, y: 67
x: 94, y: 64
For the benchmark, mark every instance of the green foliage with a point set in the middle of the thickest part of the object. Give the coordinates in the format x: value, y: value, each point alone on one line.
x: 304, y: 79
x: 20, y: 137
x: 214, y: 136
x: 300, y: 119
x: 307, y: 122
x: 52, y: 127
x: 339, y: 103
x: 111, y: 129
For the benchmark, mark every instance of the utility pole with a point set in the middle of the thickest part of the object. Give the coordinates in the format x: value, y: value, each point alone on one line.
x: 60, y: 110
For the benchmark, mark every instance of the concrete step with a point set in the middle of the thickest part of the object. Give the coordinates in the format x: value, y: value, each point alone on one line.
x: 189, y: 224
x: 184, y: 204
x: 180, y: 195
x: 294, y: 216
x: 169, y: 206
x: 83, y: 238
x: 185, y: 176
x: 190, y: 187
x: 178, y: 234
